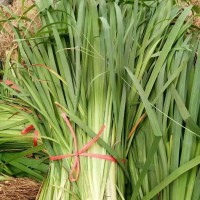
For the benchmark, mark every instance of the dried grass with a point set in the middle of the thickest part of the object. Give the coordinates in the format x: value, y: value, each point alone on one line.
x: 196, y: 2
x: 196, y: 19
x: 7, y: 35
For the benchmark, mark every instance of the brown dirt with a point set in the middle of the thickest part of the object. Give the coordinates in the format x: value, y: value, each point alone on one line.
x: 19, y: 189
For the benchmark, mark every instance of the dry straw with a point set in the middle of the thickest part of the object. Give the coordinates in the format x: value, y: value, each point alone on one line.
x: 6, y: 33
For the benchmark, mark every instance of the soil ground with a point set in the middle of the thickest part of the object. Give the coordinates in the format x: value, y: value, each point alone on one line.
x: 19, y: 189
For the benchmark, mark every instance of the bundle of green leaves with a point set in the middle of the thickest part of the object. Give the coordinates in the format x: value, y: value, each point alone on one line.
x: 110, y: 86
x: 18, y: 156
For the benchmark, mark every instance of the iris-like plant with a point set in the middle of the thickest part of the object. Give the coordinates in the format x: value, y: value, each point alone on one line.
x: 123, y: 71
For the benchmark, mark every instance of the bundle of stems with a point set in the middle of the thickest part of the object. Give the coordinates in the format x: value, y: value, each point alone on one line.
x: 11, y: 125
x: 100, y: 68
x: 69, y: 68
x: 18, y: 156
x: 173, y: 172
x: 163, y: 161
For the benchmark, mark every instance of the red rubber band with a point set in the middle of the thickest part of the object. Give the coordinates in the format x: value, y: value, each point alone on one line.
x: 76, y: 165
x: 35, y: 139
x: 36, y: 133
x: 28, y: 130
